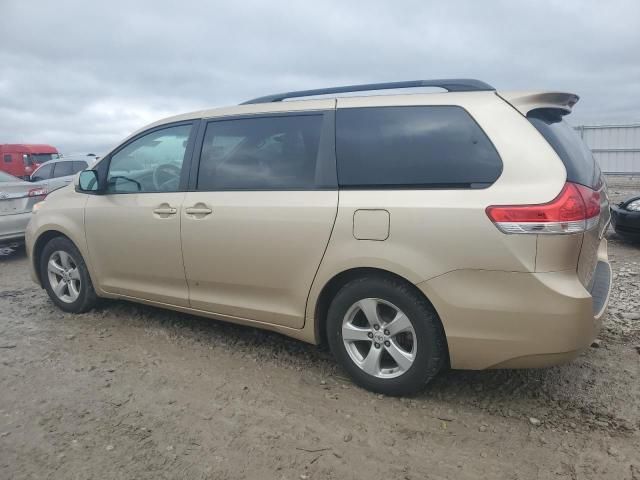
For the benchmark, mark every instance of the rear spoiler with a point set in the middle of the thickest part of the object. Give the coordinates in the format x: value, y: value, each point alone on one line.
x: 525, y: 102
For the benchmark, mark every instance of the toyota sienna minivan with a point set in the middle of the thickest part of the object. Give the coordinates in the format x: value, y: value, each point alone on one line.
x: 411, y: 232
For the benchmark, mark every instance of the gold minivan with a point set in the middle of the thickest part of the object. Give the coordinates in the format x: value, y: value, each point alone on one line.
x: 412, y: 232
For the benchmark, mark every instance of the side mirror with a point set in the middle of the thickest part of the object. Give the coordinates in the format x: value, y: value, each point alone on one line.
x: 87, y: 181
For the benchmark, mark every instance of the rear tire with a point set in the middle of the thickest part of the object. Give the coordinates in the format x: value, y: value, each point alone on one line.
x: 65, y: 276
x: 386, y: 335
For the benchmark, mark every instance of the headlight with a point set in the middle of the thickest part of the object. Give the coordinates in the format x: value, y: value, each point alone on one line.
x: 37, y: 207
x: 634, y: 206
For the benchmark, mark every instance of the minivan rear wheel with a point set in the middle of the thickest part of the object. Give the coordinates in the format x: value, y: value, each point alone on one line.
x: 65, y: 276
x: 386, y: 335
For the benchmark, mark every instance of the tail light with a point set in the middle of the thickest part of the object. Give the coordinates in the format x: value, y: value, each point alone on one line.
x: 36, y: 192
x: 576, y: 209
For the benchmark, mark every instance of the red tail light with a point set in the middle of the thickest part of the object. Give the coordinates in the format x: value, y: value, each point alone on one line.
x: 36, y: 192
x: 575, y: 209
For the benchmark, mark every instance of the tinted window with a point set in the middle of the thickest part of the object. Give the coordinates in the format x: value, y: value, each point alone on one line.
x: 260, y: 153
x: 413, y: 146
x: 43, y: 157
x: 79, y: 166
x: 576, y: 156
x: 7, y: 158
x: 62, y: 169
x: 43, y: 173
x: 151, y: 163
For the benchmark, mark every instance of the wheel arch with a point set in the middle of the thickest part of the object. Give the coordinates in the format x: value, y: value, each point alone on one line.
x: 339, y: 280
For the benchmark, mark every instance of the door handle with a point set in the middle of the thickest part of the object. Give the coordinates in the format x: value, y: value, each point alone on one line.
x: 165, y: 210
x: 198, y: 210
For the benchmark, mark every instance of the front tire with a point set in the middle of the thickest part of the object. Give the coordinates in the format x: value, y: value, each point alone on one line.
x: 386, y: 335
x: 65, y: 276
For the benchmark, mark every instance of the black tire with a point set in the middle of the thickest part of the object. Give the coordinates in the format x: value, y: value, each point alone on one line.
x: 430, y: 354
x: 86, y: 294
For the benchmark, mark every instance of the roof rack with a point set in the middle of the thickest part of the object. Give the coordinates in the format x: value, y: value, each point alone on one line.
x: 449, y: 84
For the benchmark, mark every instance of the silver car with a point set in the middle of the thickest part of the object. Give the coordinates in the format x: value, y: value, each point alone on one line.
x: 17, y: 198
x: 59, y: 172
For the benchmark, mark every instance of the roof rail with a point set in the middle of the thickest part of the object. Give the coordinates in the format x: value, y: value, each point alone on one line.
x: 449, y: 84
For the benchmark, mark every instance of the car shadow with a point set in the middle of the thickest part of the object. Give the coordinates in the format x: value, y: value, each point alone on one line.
x: 622, y: 239
x: 564, y: 390
x: 12, y: 252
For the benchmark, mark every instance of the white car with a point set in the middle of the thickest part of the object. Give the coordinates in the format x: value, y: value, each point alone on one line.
x: 17, y: 198
x: 59, y: 172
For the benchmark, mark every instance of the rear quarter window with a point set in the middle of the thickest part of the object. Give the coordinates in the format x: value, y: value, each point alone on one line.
x: 578, y: 160
x: 413, y: 147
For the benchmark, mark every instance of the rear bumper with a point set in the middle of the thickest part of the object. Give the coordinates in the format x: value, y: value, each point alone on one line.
x: 495, y: 319
x: 12, y: 227
x: 624, y: 222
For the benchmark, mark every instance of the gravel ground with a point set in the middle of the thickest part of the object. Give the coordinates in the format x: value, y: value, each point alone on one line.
x: 129, y: 391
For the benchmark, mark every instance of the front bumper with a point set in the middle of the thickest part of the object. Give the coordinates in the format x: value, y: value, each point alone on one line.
x: 12, y: 227
x: 496, y: 319
x: 625, y: 222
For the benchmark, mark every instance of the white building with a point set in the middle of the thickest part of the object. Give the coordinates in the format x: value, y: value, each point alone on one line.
x: 616, y: 147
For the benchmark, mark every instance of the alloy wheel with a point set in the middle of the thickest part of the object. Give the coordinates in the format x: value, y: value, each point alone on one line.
x: 64, y: 276
x: 379, y: 338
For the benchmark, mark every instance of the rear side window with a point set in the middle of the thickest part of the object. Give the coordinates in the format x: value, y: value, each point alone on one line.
x: 261, y: 153
x: 7, y: 158
x: 574, y: 153
x: 413, y: 147
x: 62, y: 169
x: 79, y: 166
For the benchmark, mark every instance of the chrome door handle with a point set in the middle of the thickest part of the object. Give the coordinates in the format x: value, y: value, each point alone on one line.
x: 198, y: 211
x: 165, y: 211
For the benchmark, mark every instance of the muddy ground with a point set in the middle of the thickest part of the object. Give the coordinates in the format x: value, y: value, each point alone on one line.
x: 129, y: 391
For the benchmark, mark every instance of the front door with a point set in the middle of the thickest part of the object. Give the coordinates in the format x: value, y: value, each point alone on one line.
x: 256, y: 227
x: 133, y: 230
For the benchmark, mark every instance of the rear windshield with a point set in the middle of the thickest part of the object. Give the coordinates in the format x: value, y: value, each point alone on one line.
x: 574, y: 153
x: 5, y: 177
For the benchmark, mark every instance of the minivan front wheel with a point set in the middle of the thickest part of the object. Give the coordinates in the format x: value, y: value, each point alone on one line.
x: 65, y: 276
x: 386, y: 335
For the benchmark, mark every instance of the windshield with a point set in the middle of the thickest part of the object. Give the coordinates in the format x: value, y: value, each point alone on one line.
x: 39, y: 158
x: 5, y: 177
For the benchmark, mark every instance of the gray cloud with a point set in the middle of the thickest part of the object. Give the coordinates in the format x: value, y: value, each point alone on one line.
x: 82, y: 75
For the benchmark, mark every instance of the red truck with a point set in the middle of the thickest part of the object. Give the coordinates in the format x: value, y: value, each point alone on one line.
x: 20, y: 160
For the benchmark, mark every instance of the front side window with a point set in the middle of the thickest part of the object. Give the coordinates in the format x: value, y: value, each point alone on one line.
x: 413, y: 147
x: 261, y: 153
x: 7, y: 158
x: 151, y: 163
x: 43, y: 173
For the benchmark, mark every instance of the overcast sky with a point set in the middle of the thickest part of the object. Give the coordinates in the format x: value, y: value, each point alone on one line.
x: 82, y: 75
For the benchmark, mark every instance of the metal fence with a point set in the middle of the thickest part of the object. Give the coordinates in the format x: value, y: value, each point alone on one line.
x: 616, y: 147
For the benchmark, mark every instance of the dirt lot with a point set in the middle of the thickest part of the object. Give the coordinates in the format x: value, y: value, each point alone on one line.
x: 129, y: 391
